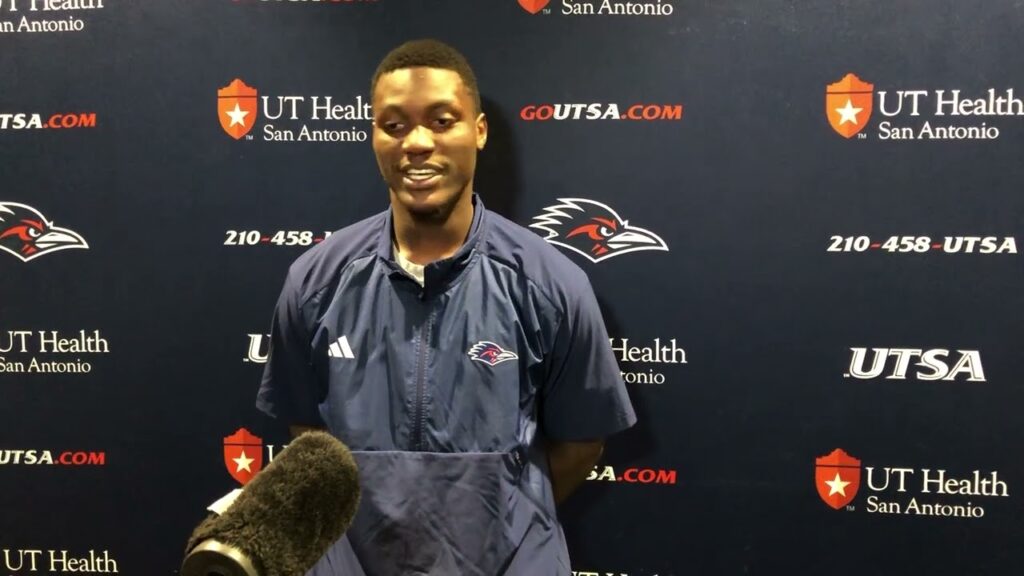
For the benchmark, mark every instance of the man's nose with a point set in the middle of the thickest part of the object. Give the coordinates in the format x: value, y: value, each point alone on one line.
x: 418, y: 140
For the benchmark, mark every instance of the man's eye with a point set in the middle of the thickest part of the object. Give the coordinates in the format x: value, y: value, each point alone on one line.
x: 444, y: 122
x: 392, y: 126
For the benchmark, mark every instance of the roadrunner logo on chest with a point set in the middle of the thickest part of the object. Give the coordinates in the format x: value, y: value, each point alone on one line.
x: 490, y: 353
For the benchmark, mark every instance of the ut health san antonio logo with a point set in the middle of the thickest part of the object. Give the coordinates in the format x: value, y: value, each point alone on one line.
x: 593, y: 230
x: 533, y: 6
x: 26, y: 234
x: 837, y: 477
x: 237, y: 108
x: 243, y: 455
x: 848, y: 105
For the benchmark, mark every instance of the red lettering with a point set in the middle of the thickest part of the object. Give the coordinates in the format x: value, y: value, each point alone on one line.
x: 649, y: 476
x: 673, y: 112
x: 83, y: 458
x: 655, y: 112
x: 82, y: 120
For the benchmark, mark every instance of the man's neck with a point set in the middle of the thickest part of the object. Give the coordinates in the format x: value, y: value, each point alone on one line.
x: 422, y: 241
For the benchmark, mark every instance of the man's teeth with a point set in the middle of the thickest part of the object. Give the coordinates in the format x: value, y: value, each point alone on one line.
x: 420, y: 173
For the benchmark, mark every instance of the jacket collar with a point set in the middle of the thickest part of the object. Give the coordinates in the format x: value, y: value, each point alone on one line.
x: 438, y: 275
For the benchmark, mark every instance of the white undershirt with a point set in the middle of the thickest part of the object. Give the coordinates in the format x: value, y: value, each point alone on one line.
x: 415, y: 270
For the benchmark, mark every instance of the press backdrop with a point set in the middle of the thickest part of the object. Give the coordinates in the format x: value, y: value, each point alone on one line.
x: 834, y: 189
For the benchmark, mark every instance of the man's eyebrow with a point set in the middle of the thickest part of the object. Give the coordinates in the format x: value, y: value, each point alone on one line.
x: 442, y: 104
x: 390, y: 108
x: 445, y: 104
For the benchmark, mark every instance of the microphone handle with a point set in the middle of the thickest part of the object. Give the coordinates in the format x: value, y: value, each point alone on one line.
x: 213, y: 558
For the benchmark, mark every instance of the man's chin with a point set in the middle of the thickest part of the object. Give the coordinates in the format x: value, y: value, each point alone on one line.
x: 428, y: 205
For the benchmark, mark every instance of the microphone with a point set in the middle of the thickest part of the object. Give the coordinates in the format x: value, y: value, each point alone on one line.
x: 285, y: 519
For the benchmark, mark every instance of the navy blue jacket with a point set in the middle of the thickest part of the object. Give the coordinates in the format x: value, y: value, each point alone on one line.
x: 445, y: 393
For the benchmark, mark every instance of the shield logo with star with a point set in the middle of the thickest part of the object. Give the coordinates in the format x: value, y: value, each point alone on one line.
x: 848, y: 105
x: 237, y: 108
x: 243, y: 455
x: 837, y: 477
x: 533, y: 6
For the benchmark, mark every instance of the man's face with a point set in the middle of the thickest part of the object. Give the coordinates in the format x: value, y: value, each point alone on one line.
x: 426, y: 133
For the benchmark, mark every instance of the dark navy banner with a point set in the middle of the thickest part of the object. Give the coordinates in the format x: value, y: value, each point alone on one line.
x: 820, y: 333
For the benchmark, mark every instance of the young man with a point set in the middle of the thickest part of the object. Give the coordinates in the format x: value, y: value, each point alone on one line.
x: 461, y: 358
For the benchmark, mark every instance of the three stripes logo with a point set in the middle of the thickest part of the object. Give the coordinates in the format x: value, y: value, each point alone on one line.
x: 340, y: 349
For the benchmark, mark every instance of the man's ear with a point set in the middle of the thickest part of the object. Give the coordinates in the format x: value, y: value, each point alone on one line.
x: 481, y: 131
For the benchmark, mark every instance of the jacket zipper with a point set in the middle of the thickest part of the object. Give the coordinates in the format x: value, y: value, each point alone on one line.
x: 421, y: 376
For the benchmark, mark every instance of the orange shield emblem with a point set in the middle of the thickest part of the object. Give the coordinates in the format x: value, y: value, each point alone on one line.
x: 533, y: 6
x: 236, y: 108
x: 837, y: 477
x: 848, y: 105
x: 243, y: 455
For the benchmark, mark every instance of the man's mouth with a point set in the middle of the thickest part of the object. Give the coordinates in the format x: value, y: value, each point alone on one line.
x: 420, y: 178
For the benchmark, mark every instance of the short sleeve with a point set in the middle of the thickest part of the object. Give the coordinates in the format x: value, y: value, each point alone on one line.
x: 584, y: 396
x: 288, y: 391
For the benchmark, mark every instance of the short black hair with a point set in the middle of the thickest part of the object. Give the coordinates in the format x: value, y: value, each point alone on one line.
x: 428, y: 53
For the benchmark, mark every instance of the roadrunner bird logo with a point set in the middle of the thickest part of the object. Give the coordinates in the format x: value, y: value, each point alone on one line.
x: 490, y: 353
x: 593, y: 230
x: 27, y: 234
